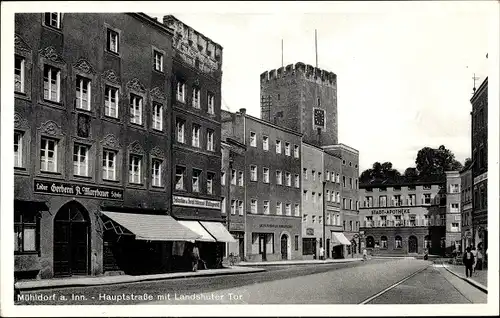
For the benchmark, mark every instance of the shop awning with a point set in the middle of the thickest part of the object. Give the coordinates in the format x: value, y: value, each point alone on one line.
x: 218, y: 231
x: 339, y: 239
x: 196, y: 227
x: 151, y: 227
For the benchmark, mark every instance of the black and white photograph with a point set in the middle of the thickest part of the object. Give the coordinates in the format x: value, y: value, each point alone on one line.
x: 201, y: 158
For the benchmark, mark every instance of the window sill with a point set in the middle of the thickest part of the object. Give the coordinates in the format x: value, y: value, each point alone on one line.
x: 157, y: 132
x: 160, y: 72
x: 112, y: 53
x: 90, y: 112
x: 51, y: 103
x: 83, y: 178
x: 111, y: 181
x: 113, y: 120
x: 50, y: 173
x: 17, y: 253
x: 137, y: 126
x: 157, y: 188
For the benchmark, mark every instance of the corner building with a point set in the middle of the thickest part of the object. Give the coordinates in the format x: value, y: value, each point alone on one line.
x: 273, y: 190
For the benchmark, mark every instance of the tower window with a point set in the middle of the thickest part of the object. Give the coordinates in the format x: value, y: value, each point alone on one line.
x: 319, y: 102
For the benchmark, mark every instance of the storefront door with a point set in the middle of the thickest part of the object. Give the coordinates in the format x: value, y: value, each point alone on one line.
x: 412, y: 244
x: 262, y: 244
x: 327, y: 248
x: 284, y: 246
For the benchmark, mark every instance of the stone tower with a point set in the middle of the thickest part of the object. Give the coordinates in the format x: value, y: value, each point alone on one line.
x: 303, y: 98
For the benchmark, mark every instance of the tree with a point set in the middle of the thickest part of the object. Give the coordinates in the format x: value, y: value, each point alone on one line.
x: 411, y: 172
x: 379, y: 172
x: 467, y: 163
x: 432, y: 161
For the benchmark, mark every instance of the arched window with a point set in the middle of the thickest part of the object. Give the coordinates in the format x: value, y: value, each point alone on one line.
x: 370, y: 242
x: 383, y: 242
x: 398, y: 242
x: 427, y: 242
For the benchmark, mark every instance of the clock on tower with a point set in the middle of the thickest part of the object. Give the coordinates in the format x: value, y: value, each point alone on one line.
x: 319, y: 118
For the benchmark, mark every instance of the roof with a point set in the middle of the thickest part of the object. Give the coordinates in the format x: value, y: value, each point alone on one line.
x: 480, y: 90
x: 405, y: 181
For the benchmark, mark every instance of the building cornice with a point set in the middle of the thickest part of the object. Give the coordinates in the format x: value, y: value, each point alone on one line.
x: 152, y: 21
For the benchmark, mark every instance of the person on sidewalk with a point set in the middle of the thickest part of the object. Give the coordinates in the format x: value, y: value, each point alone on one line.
x: 479, y: 262
x: 321, y: 253
x: 474, y: 252
x: 195, y: 254
x: 365, y: 257
x: 468, y: 260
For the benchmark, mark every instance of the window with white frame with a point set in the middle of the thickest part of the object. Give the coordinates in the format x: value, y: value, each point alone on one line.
x: 297, y: 181
x: 338, y: 178
x: 135, y: 109
x: 288, y: 179
x: 413, y: 220
x: 211, y: 103
x: 304, y: 218
x: 454, y: 208
x: 51, y: 83
x: 397, y: 220
x: 158, y: 61
x: 344, y: 203
x: 333, y: 176
x: 304, y: 173
x: 343, y: 181
x: 279, y: 177
x: 83, y: 93
x: 180, y: 128
x: 265, y: 207
x: 253, y: 206
x: 426, y: 220
x: 278, y: 146
x: 296, y: 151
x: 443, y: 219
x: 351, y: 185
x: 109, y: 165
x: 195, y: 102
x: 253, y: 173
x: 265, y: 175
x: 195, y: 183
x: 233, y: 176
x: 427, y: 198
x: 195, y: 136
x: 222, y: 178
x: 314, y: 175
x: 327, y: 175
x: 210, y: 182
x: 253, y: 139
x: 327, y: 196
x: 240, y: 207
x: 18, y: 149
x: 288, y: 209
x: 223, y: 205
x: 210, y: 140
x: 156, y: 168
x: 382, y: 201
x: 319, y: 176
x: 19, y: 74
x: 305, y: 195
x: 157, y: 116
x: 181, y: 87
x: 180, y: 173
x: 111, y: 101
x: 265, y: 143
x: 113, y: 41
x: 338, y: 197
x: 279, y: 208
x: 297, y: 209
x: 53, y: 19
x: 80, y: 160
x: 328, y: 219
x: 240, y: 179
x: 398, y: 242
x: 287, y: 149
x: 233, y: 207
x: 134, y: 170
x: 313, y: 219
x: 455, y: 227
x: 48, y: 155
x: 412, y: 198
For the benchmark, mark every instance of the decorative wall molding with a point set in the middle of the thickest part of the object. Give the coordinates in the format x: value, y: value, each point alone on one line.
x: 110, y: 76
x: 51, y: 54
x: 51, y: 128
x: 110, y: 141
x: 136, y: 148
x: 20, y: 122
x: 157, y: 152
x: 84, y: 66
x: 20, y: 44
x: 136, y: 85
x: 156, y: 92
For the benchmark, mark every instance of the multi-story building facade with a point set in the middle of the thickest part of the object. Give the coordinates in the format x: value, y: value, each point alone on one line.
x: 453, y: 209
x: 312, y: 200
x: 479, y: 147
x: 332, y: 163
x: 466, y: 208
x: 273, y: 186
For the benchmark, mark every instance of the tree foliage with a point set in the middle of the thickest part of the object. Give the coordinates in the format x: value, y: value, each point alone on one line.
x: 411, y: 172
x: 467, y: 163
x: 379, y: 171
x: 432, y: 161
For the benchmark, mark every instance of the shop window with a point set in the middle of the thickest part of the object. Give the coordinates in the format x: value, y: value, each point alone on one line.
x: 398, y: 242
x: 26, y: 232
x: 383, y: 242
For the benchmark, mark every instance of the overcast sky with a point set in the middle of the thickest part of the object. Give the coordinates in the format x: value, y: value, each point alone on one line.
x: 404, y: 69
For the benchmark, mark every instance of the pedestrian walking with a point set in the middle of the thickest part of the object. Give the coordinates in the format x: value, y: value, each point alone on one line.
x: 474, y: 252
x: 479, y: 262
x: 468, y: 260
x: 365, y: 257
x: 195, y: 254
x: 321, y: 253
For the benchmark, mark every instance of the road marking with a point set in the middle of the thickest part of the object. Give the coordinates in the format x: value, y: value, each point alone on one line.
x: 392, y: 286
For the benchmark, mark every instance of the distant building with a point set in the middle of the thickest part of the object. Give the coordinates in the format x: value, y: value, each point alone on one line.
x: 466, y: 208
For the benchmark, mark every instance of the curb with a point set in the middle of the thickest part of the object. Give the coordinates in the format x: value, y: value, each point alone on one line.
x: 479, y: 286
x: 300, y: 263
x: 135, y: 280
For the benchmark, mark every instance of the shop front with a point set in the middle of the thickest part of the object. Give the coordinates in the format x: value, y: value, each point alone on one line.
x: 237, y: 249
x: 340, y: 244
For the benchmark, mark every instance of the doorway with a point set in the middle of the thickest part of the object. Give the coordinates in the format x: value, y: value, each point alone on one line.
x: 262, y: 244
x: 71, y: 241
x: 284, y: 246
x: 327, y: 248
x: 241, y: 248
x: 412, y: 244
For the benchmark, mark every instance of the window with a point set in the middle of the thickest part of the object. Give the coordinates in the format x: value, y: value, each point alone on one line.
x: 211, y: 103
x: 343, y: 181
x: 313, y: 195
x: 278, y: 146
x: 427, y: 187
x: 158, y: 61
x: 383, y: 220
x: 382, y: 201
x: 195, y: 102
x: 333, y: 176
x: 210, y: 140
x: 111, y: 101
x: 240, y: 207
x: 327, y: 176
x: 157, y: 116
x: 233, y: 207
x: 426, y: 220
x: 240, y: 178
x: 265, y: 175
x: 80, y: 160
x: 26, y: 232
x: 134, y: 170
x: 195, y: 184
x: 296, y: 151
x: 411, y: 199
x: 210, y: 183
x: 413, y: 220
x: 411, y: 188
x: 313, y: 175
x: 181, y: 87
x: 233, y: 176
x: 368, y: 221
x: 19, y: 74
x: 454, y: 188
x: 319, y: 176
x: 253, y: 139
x: 313, y: 219
x: 455, y: 227
x: 113, y: 41
x: 338, y: 178
x: 265, y: 143
x: 223, y: 206
x: 109, y: 165
x: 297, y: 181
x: 356, y: 184
x: 396, y: 200
x: 253, y: 173
x: 288, y: 179
x: 18, y: 149
x: 397, y: 220
x: 350, y: 183
x: 266, y: 207
x: 383, y: 242
x: 427, y: 198
x: 180, y: 172
x: 327, y: 196
x: 398, y: 243
x: 287, y: 149
x: 305, y: 195
x: 253, y: 206
x: 82, y: 93
x: 338, y: 197
x: 296, y: 243
x: 328, y: 219
x: 288, y: 209
x: 382, y: 189
x: 135, y: 109
x: 51, y: 83
x: 156, y: 167
x: 350, y: 226
x: 368, y: 202
x: 343, y: 162
x: 350, y: 204
x: 305, y: 173
x: 279, y: 177
x: 223, y: 178
x: 279, y: 208
x: 297, y: 210
x: 195, y: 137
x: 48, y: 155
x: 53, y: 19
x: 304, y: 218
x: 454, y: 208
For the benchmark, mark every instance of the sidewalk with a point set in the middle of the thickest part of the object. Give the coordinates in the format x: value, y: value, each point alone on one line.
x: 479, y: 279
x: 300, y: 262
x: 120, y: 279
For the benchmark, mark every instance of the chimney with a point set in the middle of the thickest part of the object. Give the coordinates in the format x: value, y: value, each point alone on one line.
x: 243, y: 111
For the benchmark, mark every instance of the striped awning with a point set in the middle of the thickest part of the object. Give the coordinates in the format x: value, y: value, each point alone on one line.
x: 219, y: 231
x: 195, y: 226
x: 151, y: 227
